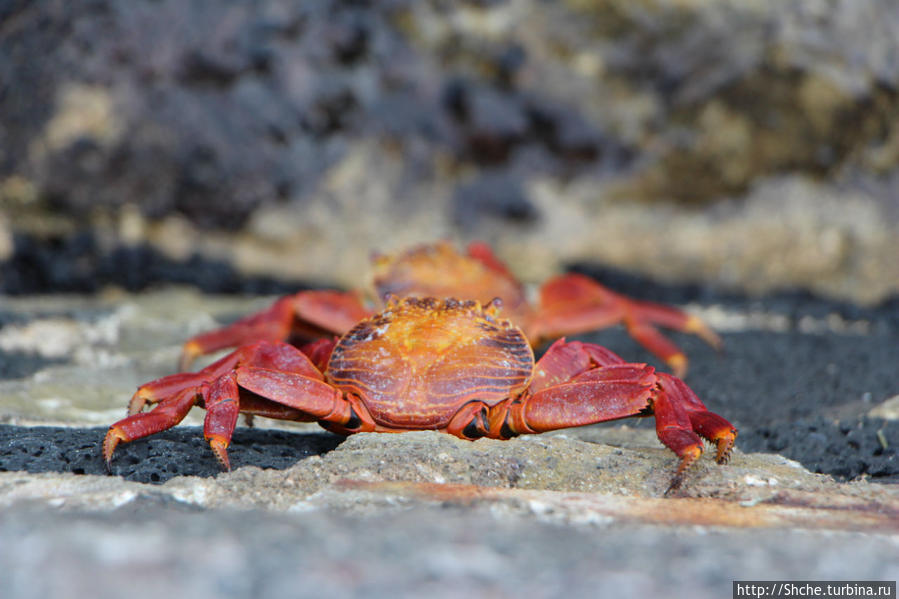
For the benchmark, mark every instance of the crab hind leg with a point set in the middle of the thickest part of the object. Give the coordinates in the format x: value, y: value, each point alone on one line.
x: 273, y: 323
x: 217, y: 389
x: 574, y: 303
x: 165, y: 415
x: 676, y: 319
x: 307, y: 313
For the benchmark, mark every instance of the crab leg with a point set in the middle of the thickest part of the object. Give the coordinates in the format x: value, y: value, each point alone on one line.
x: 581, y: 383
x: 319, y: 351
x: 484, y: 254
x: 222, y: 409
x: 261, y: 353
x: 574, y: 384
x: 167, y: 414
x: 707, y: 425
x: 575, y: 303
x: 308, y: 313
x: 162, y: 388
x: 222, y: 388
x: 565, y: 360
x: 588, y: 402
x: 626, y: 393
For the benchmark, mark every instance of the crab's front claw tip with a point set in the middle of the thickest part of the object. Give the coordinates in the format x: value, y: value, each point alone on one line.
x: 219, y: 447
x: 113, y: 437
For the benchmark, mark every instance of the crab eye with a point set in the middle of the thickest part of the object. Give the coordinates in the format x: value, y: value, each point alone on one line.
x: 391, y: 300
x: 493, y: 307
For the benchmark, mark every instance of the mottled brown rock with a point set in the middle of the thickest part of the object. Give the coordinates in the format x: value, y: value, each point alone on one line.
x: 740, y: 144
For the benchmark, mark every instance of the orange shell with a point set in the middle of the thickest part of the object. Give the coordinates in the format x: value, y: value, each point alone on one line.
x: 418, y: 361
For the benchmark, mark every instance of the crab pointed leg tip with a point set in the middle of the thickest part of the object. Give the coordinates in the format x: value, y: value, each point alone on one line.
x: 137, y: 403
x: 189, y: 353
x: 696, y: 326
x: 112, y: 439
x: 678, y: 365
x: 689, y: 456
x: 220, y: 449
x: 725, y: 446
x: 675, y: 484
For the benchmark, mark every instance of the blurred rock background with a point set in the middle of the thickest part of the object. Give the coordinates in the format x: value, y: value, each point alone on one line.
x: 744, y: 145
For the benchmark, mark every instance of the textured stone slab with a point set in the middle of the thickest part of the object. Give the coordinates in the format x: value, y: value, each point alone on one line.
x: 151, y: 549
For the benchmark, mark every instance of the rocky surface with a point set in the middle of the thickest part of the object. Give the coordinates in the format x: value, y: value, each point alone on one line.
x: 580, y: 510
x: 736, y: 158
x: 154, y: 548
x: 751, y: 146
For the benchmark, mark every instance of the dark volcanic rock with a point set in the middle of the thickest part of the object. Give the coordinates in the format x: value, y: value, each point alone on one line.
x: 82, y: 264
x: 179, y: 452
x: 212, y: 111
x: 845, y: 449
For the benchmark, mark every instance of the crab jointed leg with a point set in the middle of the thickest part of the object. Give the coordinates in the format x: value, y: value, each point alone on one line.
x: 574, y: 303
x: 267, y: 379
x: 681, y: 419
x: 307, y: 313
x: 580, y: 383
x: 680, y: 399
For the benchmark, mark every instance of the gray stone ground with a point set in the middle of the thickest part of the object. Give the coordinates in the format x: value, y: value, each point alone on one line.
x: 576, y: 513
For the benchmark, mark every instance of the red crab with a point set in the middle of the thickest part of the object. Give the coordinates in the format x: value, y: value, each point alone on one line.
x: 568, y: 304
x: 429, y: 364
